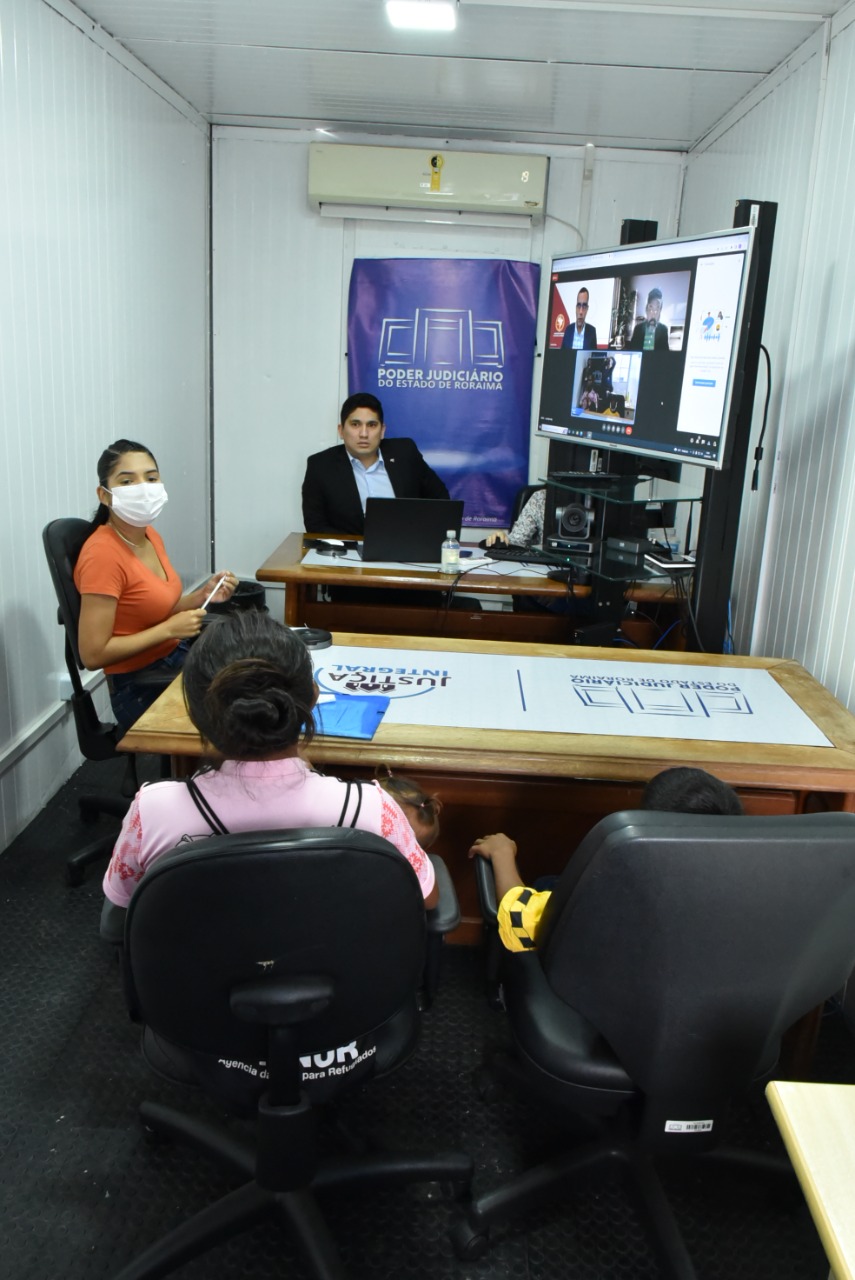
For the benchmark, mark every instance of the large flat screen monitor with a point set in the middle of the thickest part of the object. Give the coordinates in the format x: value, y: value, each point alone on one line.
x: 645, y: 346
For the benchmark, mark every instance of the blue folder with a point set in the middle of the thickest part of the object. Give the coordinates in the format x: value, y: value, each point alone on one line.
x: 351, y: 715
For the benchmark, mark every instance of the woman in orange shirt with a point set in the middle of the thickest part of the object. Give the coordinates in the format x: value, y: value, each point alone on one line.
x: 135, y: 621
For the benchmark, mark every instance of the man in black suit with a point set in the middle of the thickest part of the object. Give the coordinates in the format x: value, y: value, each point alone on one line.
x: 649, y: 334
x: 583, y: 336
x: 338, y: 481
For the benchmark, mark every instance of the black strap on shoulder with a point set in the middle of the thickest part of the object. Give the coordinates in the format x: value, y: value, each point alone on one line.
x: 205, y: 809
x: 358, y: 786
x: 341, y: 817
x: 219, y: 829
x: 340, y: 822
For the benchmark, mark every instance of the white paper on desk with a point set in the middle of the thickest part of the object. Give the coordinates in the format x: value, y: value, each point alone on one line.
x: 499, y: 568
x: 313, y: 559
x: 570, y: 695
x: 507, y: 568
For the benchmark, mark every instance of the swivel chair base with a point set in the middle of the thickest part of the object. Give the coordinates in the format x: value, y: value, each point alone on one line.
x: 470, y: 1235
x: 250, y: 1202
x: 75, y: 866
x: 91, y: 807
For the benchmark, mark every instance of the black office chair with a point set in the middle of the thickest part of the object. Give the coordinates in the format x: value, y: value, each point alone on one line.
x: 520, y: 604
x: 521, y: 499
x: 277, y: 971
x: 96, y: 738
x: 673, y: 954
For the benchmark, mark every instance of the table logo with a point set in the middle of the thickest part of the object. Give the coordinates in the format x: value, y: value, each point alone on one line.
x: 392, y: 682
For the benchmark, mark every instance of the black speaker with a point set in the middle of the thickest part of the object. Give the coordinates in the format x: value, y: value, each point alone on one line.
x: 637, y: 230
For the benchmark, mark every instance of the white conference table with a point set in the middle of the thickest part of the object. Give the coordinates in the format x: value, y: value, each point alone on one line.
x: 547, y: 789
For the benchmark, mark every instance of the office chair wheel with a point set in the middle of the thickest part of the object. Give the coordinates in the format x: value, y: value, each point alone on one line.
x: 468, y: 1243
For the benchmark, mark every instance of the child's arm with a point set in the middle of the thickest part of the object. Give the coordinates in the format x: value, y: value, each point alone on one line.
x: 501, y: 851
x: 519, y: 912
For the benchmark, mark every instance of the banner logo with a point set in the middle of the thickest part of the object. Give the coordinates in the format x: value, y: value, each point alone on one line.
x: 441, y: 347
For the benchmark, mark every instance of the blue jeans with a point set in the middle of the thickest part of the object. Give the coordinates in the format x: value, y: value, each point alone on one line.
x: 133, y: 692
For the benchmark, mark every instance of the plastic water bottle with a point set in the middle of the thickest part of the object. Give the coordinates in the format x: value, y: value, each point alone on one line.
x: 450, y: 555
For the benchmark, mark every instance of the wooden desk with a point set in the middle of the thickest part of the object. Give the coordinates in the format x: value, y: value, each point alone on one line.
x: 547, y: 790
x: 817, y: 1123
x: 302, y: 608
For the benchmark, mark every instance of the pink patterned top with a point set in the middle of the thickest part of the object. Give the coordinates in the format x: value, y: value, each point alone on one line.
x: 251, y: 796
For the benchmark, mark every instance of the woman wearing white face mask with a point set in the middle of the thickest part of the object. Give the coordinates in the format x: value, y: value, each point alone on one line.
x: 134, y: 620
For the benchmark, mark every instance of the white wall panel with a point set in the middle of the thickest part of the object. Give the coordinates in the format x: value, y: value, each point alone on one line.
x: 765, y: 152
x: 633, y: 184
x: 797, y: 538
x: 103, y: 309
x: 807, y: 607
x: 277, y: 339
x: 281, y: 274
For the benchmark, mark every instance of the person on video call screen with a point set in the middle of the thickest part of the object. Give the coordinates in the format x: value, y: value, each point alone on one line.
x: 650, y: 334
x: 583, y: 336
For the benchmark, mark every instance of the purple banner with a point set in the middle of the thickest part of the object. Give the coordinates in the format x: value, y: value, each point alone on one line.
x: 448, y: 346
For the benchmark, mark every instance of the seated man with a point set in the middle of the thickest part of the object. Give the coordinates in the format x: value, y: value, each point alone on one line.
x: 678, y: 790
x: 338, y: 481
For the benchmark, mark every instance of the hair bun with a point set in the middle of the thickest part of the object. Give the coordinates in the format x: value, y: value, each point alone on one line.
x: 267, y: 718
x: 249, y: 687
x: 264, y: 712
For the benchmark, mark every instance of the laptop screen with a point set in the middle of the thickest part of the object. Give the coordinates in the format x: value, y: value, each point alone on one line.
x: 409, y: 530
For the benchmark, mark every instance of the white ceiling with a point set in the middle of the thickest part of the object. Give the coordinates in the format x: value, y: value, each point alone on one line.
x: 629, y: 73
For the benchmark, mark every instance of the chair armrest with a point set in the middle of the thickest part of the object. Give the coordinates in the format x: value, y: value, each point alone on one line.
x: 113, y: 923
x: 445, y: 916
x: 486, y: 882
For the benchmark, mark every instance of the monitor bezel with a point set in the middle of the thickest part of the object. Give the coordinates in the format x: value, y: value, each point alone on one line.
x: 628, y: 255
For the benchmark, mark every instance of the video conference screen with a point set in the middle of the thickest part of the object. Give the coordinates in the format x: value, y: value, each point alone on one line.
x: 644, y: 346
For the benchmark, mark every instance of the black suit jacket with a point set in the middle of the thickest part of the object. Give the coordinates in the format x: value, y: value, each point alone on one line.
x: 330, y: 496
x: 660, y: 337
x: 589, y: 337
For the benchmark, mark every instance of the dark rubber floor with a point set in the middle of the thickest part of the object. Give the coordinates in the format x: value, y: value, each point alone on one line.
x: 83, y: 1192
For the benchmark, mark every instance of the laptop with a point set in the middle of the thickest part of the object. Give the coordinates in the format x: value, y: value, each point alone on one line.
x: 409, y: 530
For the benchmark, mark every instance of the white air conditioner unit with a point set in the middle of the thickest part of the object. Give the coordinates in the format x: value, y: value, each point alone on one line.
x: 445, y: 184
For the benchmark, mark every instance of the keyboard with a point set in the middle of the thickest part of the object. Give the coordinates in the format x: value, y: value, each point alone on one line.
x: 530, y: 555
x: 594, y: 478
